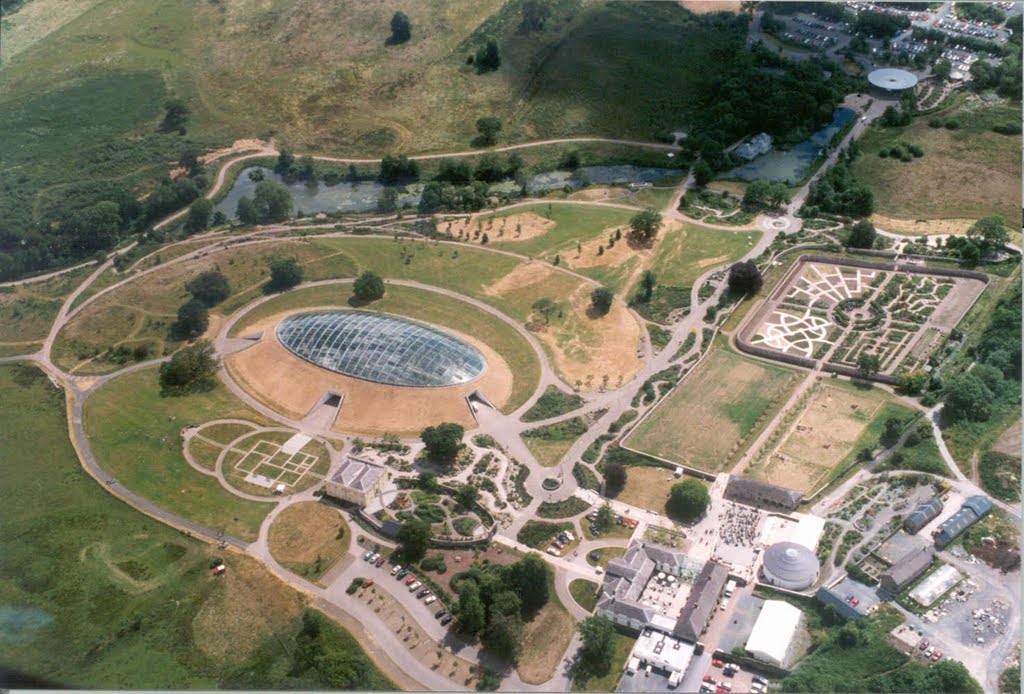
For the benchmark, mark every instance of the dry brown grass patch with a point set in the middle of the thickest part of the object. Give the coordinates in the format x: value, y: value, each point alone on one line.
x: 544, y: 642
x: 529, y: 224
x: 306, y: 531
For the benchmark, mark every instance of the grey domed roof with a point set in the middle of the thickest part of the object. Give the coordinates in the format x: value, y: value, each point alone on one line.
x: 380, y: 348
x: 892, y: 78
x: 791, y: 562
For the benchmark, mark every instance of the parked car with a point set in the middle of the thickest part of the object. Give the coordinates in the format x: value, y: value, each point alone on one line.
x: 366, y: 557
x: 757, y: 688
x: 923, y: 645
x: 440, y: 613
x: 928, y: 652
x: 402, y: 574
x: 430, y: 599
x: 717, y: 663
x: 380, y: 561
x: 760, y: 680
x: 422, y: 592
x: 709, y: 678
x: 414, y: 586
x: 367, y: 583
x: 937, y: 655
x: 446, y: 620
x: 855, y: 602
x: 705, y: 689
x: 396, y: 569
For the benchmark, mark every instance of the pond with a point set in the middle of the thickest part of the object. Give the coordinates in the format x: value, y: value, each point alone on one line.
x: 363, y: 196
x: 19, y: 622
x: 791, y: 165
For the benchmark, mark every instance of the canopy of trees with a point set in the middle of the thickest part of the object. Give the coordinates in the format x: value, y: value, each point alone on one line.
x: 745, y: 278
x: 862, y: 235
x: 614, y: 479
x: 191, y: 370
x: 401, y: 29
x: 398, y: 169
x: 176, y: 115
x: 762, y: 193
x: 368, y: 287
x: 644, y: 226
x: 210, y: 287
x: 271, y: 203
x: 198, y: 216
x: 488, y: 127
x: 688, y: 500
x: 414, y: 538
x: 285, y: 273
x: 838, y: 192
x: 193, y: 320
x: 442, y: 441
x: 488, y: 57
x: 595, y: 655
x: 601, y: 300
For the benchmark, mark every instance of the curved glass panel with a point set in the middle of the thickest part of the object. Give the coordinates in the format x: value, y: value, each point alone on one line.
x: 380, y: 348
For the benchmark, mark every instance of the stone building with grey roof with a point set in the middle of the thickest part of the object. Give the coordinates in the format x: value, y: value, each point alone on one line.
x: 906, y: 570
x: 761, y: 494
x: 357, y: 481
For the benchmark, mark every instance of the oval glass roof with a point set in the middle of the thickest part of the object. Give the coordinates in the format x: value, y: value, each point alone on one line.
x: 380, y: 348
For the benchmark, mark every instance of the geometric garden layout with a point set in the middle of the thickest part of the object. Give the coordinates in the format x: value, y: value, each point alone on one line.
x: 266, y: 464
x: 837, y: 313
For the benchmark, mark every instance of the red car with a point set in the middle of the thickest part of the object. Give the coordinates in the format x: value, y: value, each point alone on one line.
x: 855, y: 602
x: 709, y: 678
x: 368, y: 583
x: 717, y: 663
x: 936, y: 655
x: 409, y: 581
x: 923, y: 645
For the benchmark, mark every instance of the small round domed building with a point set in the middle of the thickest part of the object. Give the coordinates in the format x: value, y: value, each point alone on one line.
x: 789, y: 565
x: 890, y: 81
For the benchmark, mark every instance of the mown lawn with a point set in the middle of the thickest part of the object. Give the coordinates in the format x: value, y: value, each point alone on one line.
x: 135, y: 435
x: 683, y: 256
x: 572, y: 223
x: 100, y: 596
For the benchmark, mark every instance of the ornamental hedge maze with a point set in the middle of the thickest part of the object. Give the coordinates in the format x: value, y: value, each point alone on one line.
x: 834, y: 313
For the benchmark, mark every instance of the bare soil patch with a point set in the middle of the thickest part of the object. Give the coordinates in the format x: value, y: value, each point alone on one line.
x: 912, y: 227
x: 609, y: 255
x: 1009, y: 440
x: 522, y: 276
x: 708, y: 6
x: 514, y: 227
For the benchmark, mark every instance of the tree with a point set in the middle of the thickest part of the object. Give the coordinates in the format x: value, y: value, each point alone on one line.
x: 868, y: 363
x: 756, y: 193
x: 970, y: 253
x: 396, y: 169
x: 190, y: 370
x: 246, y: 211
x: 189, y: 160
x: 595, y: 655
x: 504, y: 635
x: 862, y: 235
x: 644, y: 226
x: 199, y: 215
x: 913, y: 382
x: 488, y: 680
x: 648, y: 281
x: 605, y: 515
x: 688, y: 500
x: 545, y: 307
x: 601, y: 300
x: 614, y: 479
x: 535, y: 15
x: 176, y: 115
x: 401, y: 29
x: 285, y: 162
x: 991, y: 230
x: 528, y: 579
x: 273, y: 202
x: 892, y: 431
x: 466, y: 495
x: 702, y: 173
x: 471, y: 609
x: 745, y: 278
x: 193, y: 320
x: 488, y: 127
x: 95, y: 228
x: 368, y: 287
x: 442, y: 441
x: 489, y: 168
x: 488, y: 57
x: 344, y: 669
x: 413, y: 538
x: 942, y: 69
x: 849, y: 635
x: 285, y: 273
x: 967, y: 398
x: 210, y: 287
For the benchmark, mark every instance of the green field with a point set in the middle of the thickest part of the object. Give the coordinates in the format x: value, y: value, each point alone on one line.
x: 432, y: 308
x: 134, y: 434
x: 584, y: 592
x: 718, y: 408
x: 99, y: 596
x: 27, y: 310
x: 966, y: 173
x: 550, y: 442
x: 685, y: 255
x: 572, y: 223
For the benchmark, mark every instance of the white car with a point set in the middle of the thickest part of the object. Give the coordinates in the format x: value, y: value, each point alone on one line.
x: 394, y: 571
x: 430, y: 599
x: 415, y: 585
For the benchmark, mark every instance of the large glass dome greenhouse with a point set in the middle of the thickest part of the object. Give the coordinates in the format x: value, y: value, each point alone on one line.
x: 380, y: 348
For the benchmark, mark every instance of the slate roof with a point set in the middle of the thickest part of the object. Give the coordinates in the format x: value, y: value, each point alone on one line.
x: 903, y: 572
x: 357, y: 474
x: 762, y: 494
x: 702, y: 601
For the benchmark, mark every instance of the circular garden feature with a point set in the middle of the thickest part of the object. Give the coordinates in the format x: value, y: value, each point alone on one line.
x: 551, y: 483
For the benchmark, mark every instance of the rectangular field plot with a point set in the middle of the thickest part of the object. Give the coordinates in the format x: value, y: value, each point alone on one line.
x: 821, y: 437
x: 266, y: 464
x: 715, y: 411
x: 840, y: 313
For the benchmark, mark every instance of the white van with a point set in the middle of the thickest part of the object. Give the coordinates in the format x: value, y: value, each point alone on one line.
x: 632, y: 666
x: 729, y: 588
